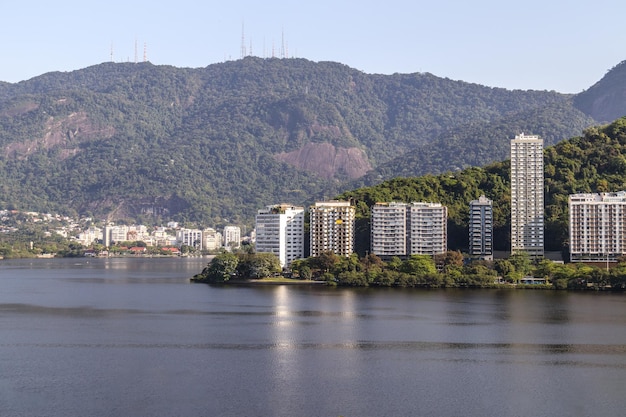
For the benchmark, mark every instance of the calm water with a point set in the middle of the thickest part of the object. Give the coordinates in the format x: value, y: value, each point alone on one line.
x: 133, y: 338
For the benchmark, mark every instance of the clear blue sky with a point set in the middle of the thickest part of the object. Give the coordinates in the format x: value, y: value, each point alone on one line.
x: 534, y: 44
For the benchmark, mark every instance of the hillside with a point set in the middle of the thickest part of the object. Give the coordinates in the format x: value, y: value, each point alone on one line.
x: 594, y: 162
x: 214, y: 144
x: 605, y: 100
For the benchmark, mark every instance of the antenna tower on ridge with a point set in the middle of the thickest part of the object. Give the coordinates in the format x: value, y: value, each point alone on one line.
x: 282, y: 44
x: 135, y: 50
x: 243, y: 41
x: 145, y: 52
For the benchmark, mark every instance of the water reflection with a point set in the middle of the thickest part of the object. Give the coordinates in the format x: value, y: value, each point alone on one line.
x: 85, y: 336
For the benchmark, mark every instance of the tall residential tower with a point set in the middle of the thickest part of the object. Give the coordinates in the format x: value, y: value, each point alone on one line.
x: 527, y: 227
x: 332, y: 228
x: 280, y: 230
x: 481, y: 228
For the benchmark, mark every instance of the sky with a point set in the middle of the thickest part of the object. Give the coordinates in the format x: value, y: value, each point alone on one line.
x: 559, y: 45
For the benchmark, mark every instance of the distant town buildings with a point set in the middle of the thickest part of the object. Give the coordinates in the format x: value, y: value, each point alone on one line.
x: 211, y: 239
x: 597, y: 227
x: 481, y: 228
x: 280, y: 230
x: 527, y: 203
x: 232, y: 237
x: 332, y: 228
x: 190, y: 237
x: 89, y: 236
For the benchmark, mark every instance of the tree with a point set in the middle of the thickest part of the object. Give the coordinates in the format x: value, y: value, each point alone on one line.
x: 305, y: 273
x: 221, y: 268
x: 326, y: 261
x: 419, y: 265
x: 258, y: 265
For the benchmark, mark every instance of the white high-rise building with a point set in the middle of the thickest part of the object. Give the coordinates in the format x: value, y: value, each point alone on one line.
x: 280, y: 230
x: 388, y: 229
x: 332, y: 228
x: 597, y: 227
x: 427, y: 225
x: 527, y: 204
x: 232, y: 237
x: 481, y: 228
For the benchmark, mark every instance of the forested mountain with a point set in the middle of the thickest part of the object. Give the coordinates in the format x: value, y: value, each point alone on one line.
x: 215, y: 144
x: 594, y: 162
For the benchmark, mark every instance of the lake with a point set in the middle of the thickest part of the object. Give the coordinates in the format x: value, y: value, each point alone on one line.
x: 132, y: 337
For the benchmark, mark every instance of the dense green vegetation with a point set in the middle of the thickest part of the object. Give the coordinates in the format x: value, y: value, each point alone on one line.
x: 236, y: 266
x: 148, y: 143
x: 443, y: 271
x: 594, y: 162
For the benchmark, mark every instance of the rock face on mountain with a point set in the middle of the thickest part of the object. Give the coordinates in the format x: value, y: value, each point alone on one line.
x: 214, y: 144
x: 328, y: 161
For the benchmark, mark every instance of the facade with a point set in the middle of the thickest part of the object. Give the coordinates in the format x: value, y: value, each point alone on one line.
x: 89, y: 236
x: 332, y: 228
x: 211, y: 239
x: 427, y: 225
x: 232, y: 237
x: 388, y: 229
x: 481, y: 228
x: 527, y: 204
x: 114, y: 234
x: 190, y: 237
x: 597, y: 227
x: 280, y: 230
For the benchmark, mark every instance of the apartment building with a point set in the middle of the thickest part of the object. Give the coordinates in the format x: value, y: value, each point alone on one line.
x: 597, y: 227
x: 527, y: 202
x: 481, y: 228
x: 280, y: 230
x: 211, y: 239
x: 190, y: 237
x: 332, y: 227
x: 232, y: 237
x: 388, y: 229
x: 427, y: 225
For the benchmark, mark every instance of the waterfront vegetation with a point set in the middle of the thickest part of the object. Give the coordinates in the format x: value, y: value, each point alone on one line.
x: 448, y: 270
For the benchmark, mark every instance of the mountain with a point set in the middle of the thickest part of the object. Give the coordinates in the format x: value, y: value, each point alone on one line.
x: 214, y: 144
x: 605, y: 101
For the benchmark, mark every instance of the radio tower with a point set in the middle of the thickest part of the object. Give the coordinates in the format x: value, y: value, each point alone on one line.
x: 145, y: 52
x: 243, y: 42
x: 111, y: 51
x: 282, y: 44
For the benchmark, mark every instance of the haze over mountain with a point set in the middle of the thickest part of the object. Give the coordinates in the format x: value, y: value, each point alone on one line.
x: 215, y: 144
